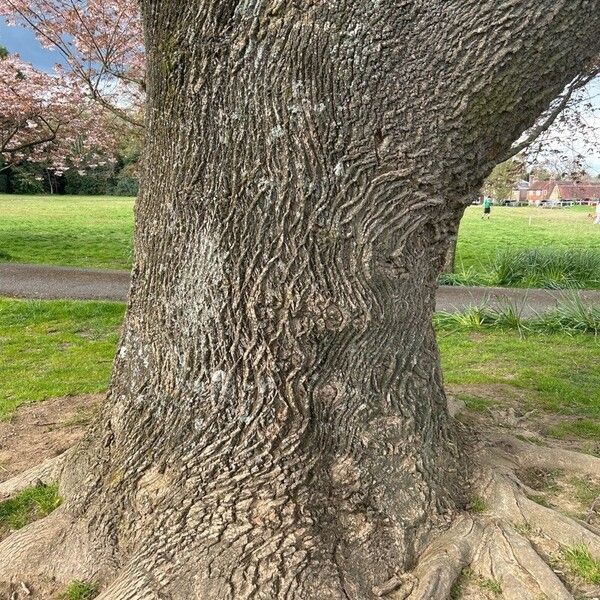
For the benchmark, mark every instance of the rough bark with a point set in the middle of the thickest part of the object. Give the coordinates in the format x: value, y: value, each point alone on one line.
x: 276, y: 425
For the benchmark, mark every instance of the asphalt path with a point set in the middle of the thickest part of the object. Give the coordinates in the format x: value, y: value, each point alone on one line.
x: 50, y: 282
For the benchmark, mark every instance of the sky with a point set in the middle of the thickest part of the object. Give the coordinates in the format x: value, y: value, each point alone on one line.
x: 23, y: 42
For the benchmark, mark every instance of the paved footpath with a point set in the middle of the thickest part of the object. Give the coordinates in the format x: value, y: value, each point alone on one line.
x: 49, y: 282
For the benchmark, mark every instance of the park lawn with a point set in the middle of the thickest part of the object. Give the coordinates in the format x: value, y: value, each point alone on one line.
x: 79, y: 231
x: 560, y: 372
x: 510, y: 228
x: 58, y: 348
x: 55, y: 348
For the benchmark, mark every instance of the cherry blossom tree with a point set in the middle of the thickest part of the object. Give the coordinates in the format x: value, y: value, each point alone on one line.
x: 101, y: 42
x: 48, y: 118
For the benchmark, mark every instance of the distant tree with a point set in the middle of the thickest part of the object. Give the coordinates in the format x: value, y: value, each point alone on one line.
x: 100, y: 40
x: 504, y: 178
x: 540, y: 173
x: 48, y: 119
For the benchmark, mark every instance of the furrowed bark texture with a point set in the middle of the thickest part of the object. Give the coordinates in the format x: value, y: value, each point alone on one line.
x: 276, y: 425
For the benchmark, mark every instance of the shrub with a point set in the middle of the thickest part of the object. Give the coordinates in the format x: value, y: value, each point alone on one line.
x: 25, y: 182
x: 126, y: 186
x: 571, y: 317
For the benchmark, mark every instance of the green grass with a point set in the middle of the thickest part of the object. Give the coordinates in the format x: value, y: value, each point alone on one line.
x: 528, y: 247
x: 586, y: 429
x: 78, y: 231
x: 55, y: 348
x: 583, y: 564
x: 476, y: 403
x: 547, y: 371
x: 80, y: 590
x: 491, y: 585
x: 477, y: 505
x: 585, y: 491
x: 479, y: 240
x: 30, y: 504
x: 517, y: 247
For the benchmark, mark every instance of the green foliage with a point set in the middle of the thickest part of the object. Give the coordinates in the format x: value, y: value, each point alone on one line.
x: 3, y: 52
x: 24, y: 181
x: 107, y: 180
x: 80, y: 590
x: 126, y: 186
x: 477, y: 505
x: 504, y: 177
x: 96, y: 182
x: 31, y: 504
x: 55, y: 348
x: 468, y: 576
x: 458, y: 587
x: 571, y: 317
x: 492, y: 585
x: 583, y: 564
x: 465, y: 277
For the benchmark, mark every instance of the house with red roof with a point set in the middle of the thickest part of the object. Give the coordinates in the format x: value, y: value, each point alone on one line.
x: 579, y: 192
x: 539, y: 190
x: 555, y: 191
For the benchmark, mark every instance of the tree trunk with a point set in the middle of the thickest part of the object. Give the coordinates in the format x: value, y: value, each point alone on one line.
x: 450, y: 259
x: 276, y: 424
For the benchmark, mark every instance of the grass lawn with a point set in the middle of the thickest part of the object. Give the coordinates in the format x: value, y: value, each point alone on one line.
x: 79, y: 231
x: 57, y: 348
x: 522, y: 228
x: 555, y: 374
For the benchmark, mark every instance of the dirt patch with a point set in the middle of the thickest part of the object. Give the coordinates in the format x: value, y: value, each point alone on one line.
x: 42, y: 430
x: 513, y: 409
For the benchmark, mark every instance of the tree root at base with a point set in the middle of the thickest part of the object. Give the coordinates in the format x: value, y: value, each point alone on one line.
x: 493, y: 545
x: 47, y: 472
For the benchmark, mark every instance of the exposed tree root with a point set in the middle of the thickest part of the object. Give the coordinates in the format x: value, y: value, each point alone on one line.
x: 47, y: 472
x: 129, y: 586
x: 508, y: 559
x: 490, y: 545
x: 524, y: 455
x: 493, y: 544
x: 442, y: 563
x: 51, y: 548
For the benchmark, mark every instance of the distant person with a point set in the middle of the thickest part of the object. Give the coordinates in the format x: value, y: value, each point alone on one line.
x: 487, y: 207
x: 597, y: 219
